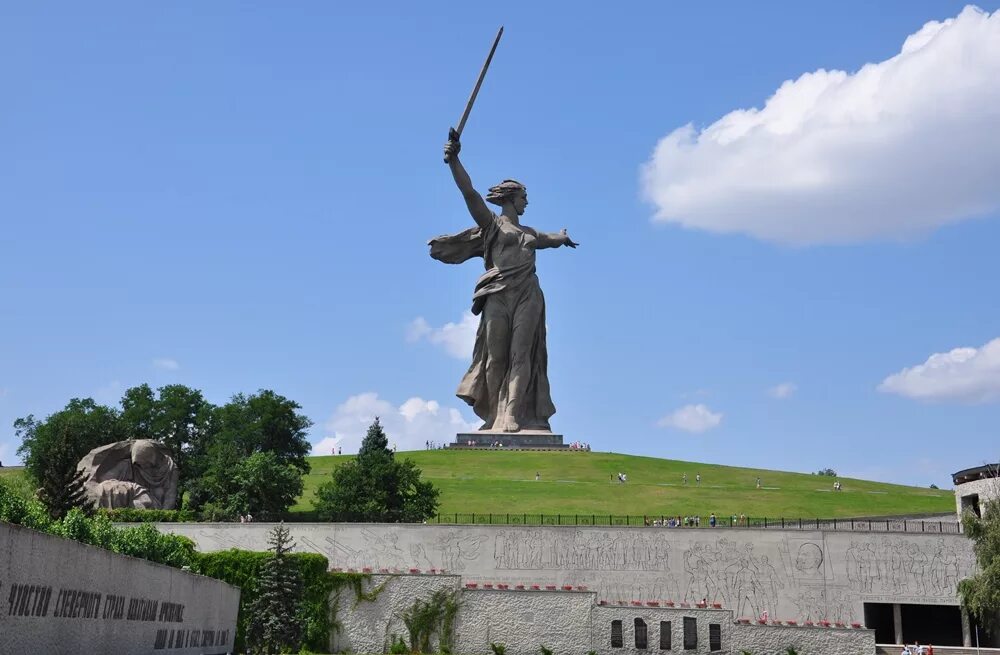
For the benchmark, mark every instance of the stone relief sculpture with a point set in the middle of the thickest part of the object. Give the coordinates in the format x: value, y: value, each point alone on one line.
x: 724, y: 573
x: 136, y: 473
x: 516, y: 549
x: 507, y: 383
x: 892, y: 567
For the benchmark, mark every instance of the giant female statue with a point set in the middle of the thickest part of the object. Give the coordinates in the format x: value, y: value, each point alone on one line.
x: 507, y: 383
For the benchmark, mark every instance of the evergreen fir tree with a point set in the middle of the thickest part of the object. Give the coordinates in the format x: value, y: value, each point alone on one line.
x: 62, y: 483
x: 375, y: 444
x: 274, y: 624
x: 375, y: 486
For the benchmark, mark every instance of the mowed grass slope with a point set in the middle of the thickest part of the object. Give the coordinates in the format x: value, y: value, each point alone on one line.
x: 586, y: 483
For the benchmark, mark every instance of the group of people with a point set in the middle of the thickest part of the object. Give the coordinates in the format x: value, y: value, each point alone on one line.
x: 622, y: 478
x: 579, y: 445
x: 246, y: 519
x: 697, y: 478
x: 433, y: 445
x: 917, y: 649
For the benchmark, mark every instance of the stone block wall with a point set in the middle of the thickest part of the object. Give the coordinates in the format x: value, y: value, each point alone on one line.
x: 59, y: 596
x: 568, y: 623
x: 775, y: 640
x: 988, y: 490
x: 523, y: 621
x: 369, y: 626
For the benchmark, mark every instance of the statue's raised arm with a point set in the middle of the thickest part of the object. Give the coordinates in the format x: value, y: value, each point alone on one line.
x: 477, y: 206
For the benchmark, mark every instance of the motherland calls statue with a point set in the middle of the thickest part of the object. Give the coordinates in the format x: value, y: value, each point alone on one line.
x: 138, y: 473
x: 507, y: 384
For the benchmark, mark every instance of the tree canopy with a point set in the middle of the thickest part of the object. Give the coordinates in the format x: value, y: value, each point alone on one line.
x: 247, y: 455
x: 376, y: 487
x: 980, y: 594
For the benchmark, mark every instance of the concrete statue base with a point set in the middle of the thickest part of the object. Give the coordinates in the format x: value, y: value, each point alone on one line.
x: 522, y: 439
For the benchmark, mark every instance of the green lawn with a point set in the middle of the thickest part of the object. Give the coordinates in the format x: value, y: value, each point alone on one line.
x: 585, y: 483
x: 581, y: 483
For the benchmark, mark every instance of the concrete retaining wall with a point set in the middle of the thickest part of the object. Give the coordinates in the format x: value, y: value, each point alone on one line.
x: 791, y: 574
x: 59, y: 596
x: 565, y: 622
x: 775, y: 640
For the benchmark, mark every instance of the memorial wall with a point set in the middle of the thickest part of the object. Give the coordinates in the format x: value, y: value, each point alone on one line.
x: 791, y: 574
x: 60, y: 596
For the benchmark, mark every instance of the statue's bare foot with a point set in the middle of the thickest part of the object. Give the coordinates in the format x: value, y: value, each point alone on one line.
x: 510, y: 425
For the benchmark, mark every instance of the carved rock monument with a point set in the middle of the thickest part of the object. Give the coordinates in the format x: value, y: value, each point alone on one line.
x: 137, y: 473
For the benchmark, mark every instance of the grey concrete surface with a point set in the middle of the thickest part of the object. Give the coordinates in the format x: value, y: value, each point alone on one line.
x: 791, y: 574
x: 567, y: 622
x: 58, y: 596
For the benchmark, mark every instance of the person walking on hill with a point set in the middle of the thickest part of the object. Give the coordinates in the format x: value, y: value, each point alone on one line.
x: 685, y: 478
x: 697, y: 478
x: 711, y: 520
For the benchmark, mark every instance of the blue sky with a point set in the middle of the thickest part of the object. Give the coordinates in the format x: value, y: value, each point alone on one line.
x: 238, y: 196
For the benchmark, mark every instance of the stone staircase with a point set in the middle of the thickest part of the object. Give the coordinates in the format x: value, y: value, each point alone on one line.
x: 893, y: 649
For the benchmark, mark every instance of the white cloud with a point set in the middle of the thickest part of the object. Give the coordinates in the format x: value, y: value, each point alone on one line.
x: 408, y: 426
x: 783, y: 390
x: 457, y: 339
x: 166, y: 364
x: 970, y: 375
x: 692, y: 418
x: 896, y: 149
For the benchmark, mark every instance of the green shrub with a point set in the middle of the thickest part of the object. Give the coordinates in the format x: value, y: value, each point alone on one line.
x: 242, y: 568
x: 498, y: 649
x: 398, y: 646
x: 142, y: 541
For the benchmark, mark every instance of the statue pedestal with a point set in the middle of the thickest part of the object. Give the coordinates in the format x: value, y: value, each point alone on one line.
x: 539, y: 439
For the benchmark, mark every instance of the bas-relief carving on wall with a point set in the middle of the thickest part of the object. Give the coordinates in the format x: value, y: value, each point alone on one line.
x: 891, y: 568
x: 521, y: 549
x: 809, y: 576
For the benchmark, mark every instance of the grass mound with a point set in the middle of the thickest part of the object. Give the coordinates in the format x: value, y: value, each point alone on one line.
x: 586, y: 483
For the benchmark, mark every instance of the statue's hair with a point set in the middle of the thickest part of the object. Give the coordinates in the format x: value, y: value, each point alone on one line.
x: 501, y: 192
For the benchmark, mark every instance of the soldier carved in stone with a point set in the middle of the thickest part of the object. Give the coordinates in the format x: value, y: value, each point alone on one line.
x: 137, y: 473
x: 507, y: 384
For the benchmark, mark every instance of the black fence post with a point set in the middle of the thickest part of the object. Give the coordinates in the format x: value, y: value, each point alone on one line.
x: 834, y: 524
x: 939, y: 527
x: 765, y: 521
x: 456, y: 517
x: 782, y: 522
x: 817, y: 523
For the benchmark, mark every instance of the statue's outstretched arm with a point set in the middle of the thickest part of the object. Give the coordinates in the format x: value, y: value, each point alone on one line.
x: 554, y: 240
x: 477, y: 206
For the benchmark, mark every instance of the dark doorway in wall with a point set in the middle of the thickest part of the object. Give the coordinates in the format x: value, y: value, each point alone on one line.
x: 878, y: 617
x: 940, y: 625
x: 971, y: 502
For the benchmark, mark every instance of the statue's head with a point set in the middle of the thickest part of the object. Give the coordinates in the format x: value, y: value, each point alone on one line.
x: 509, y: 191
x: 145, y: 455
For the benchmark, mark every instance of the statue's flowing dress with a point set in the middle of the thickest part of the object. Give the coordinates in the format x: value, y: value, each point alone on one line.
x: 507, y: 383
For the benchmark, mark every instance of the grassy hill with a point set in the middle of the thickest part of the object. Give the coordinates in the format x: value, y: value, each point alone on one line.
x: 586, y: 483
